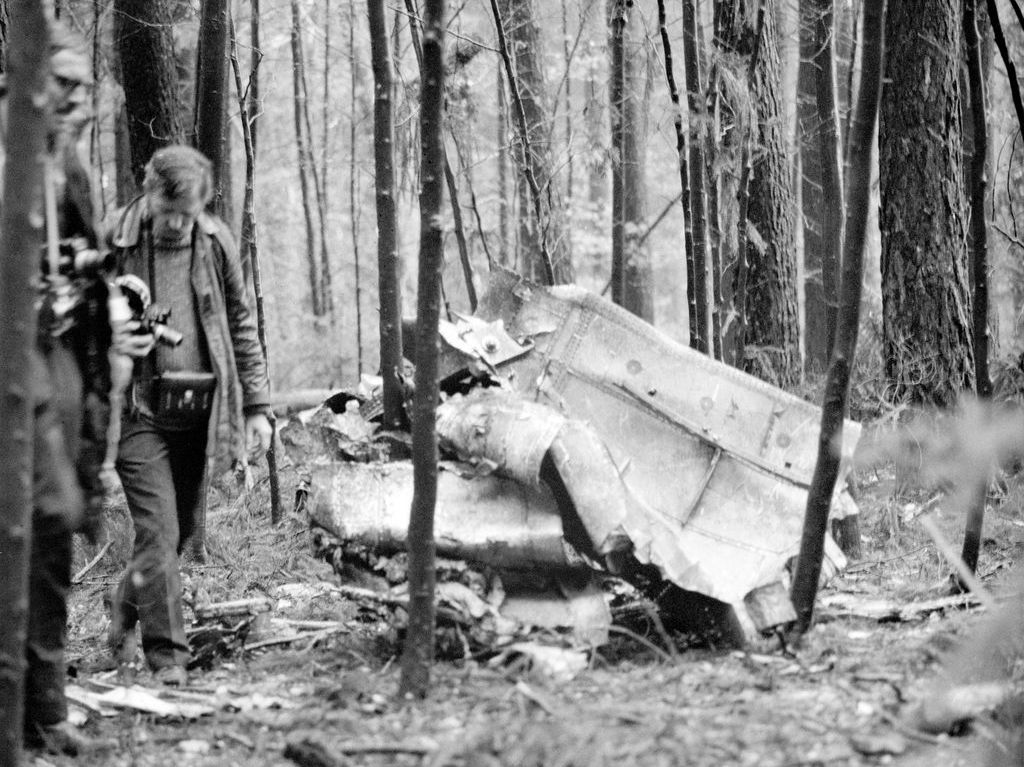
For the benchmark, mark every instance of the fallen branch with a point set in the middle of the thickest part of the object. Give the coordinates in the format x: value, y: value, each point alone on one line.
x: 232, y: 609
x: 314, y: 635
x: 407, y: 747
x: 311, y: 750
x: 962, y: 570
x: 92, y: 563
x: 890, y: 610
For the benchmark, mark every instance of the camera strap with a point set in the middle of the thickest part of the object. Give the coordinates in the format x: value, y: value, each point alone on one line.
x: 151, y: 261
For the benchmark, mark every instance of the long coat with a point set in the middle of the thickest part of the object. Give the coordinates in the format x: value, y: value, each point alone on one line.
x: 223, y: 297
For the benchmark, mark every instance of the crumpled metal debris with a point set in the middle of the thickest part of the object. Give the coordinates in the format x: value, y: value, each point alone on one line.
x: 717, y: 461
x: 604, y: 441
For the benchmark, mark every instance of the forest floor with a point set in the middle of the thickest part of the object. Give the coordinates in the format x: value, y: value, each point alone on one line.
x: 841, y: 699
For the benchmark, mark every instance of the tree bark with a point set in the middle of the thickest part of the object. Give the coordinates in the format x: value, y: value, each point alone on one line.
x: 211, y: 101
x: 19, y: 265
x: 979, y: 261
x: 696, y: 189
x: 353, y: 193
x: 977, y: 188
x: 254, y: 98
x: 681, y: 144
x: 449, y: 175
x: 547, y: 238
x: 305, y: 160
x: 501, y: 158
x: 143, y: 34
x: 249, y: 251
x: 771, y: 329
x: 631, y: 264
x: 5, y: 24
x: 821, y: 176
x: 926, y: 304
x: 418, y: 652
x: 837, y: 384
x: 389, y: 262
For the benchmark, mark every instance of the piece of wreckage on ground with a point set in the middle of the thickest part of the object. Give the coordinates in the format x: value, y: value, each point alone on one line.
x: 583, y: 448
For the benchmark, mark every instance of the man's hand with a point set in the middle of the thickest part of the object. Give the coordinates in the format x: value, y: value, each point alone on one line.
x: 125, y: 340
x: 258, y: 433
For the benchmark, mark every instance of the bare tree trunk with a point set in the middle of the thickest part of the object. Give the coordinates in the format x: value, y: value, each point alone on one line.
x: 926, y: 327
x: 5, y: 24
x: 771, y: 327
x: 830, y: 151
x: 353, y: 194
x: 837, y: 385
x: 467, y: 172
x: 696, y: 190
x: 831, y: 154
x: 211, y: 139
x: 211, y: 101
x: 249, y: 252
x: 548, y: 253
x: 979, y: 262
x: 501, y: 157
x: 250, y: 111
x: 418, y: 653
x: 681, y: 143
x: 305, y: 171
x: 320, y: 188
x: 19, y: 246
x: 460, y: 235
x: 977, y: 191
x: 143, y: 34
x: 325, y: 96
x: 631, y: 264
x: 821, y: 272
x: 254, y: 100
x: 389, y: 262
x: 567, y: 106
x: 597, y: 135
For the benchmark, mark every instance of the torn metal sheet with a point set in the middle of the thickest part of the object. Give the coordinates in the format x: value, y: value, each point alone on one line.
x: 718, y: 461
x: 528, y: 442
x: 512, y: 526
x: 488, y: 519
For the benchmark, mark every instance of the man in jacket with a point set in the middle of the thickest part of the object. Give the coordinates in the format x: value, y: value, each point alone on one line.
x: 210, y: 369
x: 70, y: 385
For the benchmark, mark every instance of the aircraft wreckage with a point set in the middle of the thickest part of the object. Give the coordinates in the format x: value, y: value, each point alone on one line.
x: 584, y: 442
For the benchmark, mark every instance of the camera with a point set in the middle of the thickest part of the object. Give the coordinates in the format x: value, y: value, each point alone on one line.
x: 152, y: 318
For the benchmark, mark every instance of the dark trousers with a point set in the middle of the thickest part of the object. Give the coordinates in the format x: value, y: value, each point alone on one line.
x: 57, y: 505
x: 163, y: 473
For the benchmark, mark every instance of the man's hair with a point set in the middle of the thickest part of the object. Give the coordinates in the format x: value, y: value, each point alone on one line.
x: 68, y: 56
x: 178, y: 171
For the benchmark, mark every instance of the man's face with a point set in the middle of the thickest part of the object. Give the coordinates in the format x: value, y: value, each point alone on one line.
x: 174, y: 217
x: 70, y: 89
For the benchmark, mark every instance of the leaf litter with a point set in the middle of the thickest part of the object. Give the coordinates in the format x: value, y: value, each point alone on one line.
x: 842, y: 698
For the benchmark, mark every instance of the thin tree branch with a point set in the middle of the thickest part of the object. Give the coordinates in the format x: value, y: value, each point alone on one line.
x: 524, y: 139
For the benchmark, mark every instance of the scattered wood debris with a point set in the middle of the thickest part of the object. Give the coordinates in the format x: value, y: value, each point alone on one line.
x: 845, y: 604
